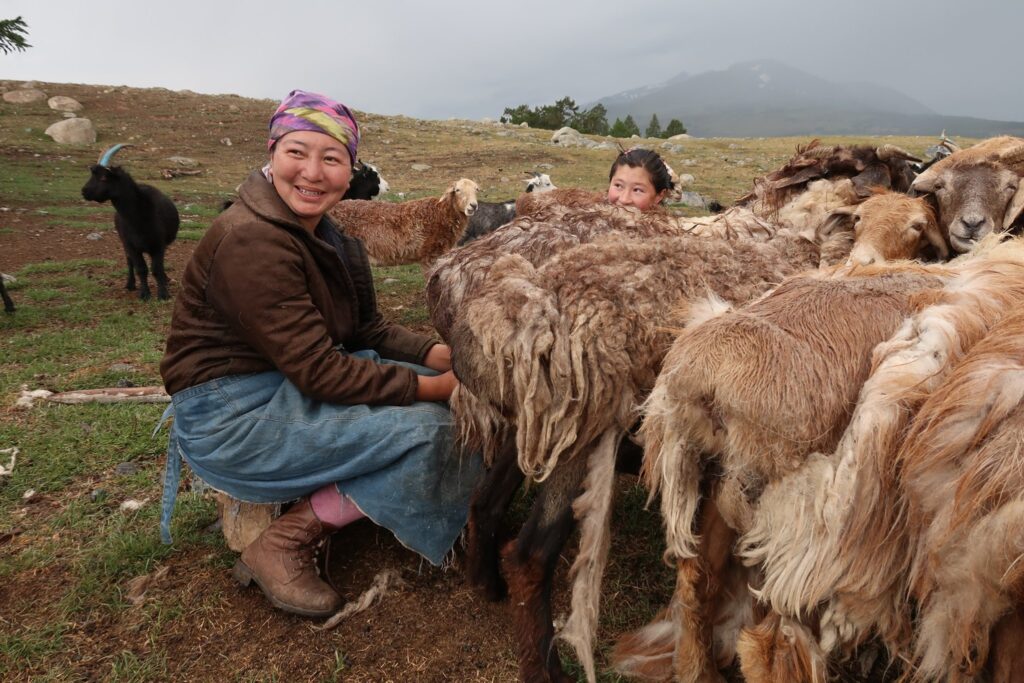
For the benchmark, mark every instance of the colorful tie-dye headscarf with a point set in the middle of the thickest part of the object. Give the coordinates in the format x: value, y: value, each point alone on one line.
x: 303, y: 110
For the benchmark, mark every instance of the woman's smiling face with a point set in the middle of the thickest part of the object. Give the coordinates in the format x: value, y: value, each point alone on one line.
x: 311, y: 172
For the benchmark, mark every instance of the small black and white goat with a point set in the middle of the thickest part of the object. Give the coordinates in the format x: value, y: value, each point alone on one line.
x: 146, y: 220
x: 366, y: 182
x: 490, y: 216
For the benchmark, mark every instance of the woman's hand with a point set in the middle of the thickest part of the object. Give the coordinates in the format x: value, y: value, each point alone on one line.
x: 439, y: 358
x: 437, y: 387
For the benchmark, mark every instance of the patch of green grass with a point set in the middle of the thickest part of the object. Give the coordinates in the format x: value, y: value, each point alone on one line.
x: 191, y: 235
x: 129, y: 667
x: 27, y: 650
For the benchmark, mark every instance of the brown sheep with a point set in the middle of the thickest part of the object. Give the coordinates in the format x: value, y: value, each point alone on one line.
x: 978, y: 190
x: 963, y: 477
x: 529, y: 204
x: 577, y: 367
x: 835, y: 531
x: 819, y: 332
x: 889, y: 226
x: 416, y: 231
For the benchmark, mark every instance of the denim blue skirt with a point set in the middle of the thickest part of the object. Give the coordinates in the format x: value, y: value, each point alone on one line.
x: 257, y: 438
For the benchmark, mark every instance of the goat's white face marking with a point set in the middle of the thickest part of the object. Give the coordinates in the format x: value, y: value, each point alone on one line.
x: 311, y: 171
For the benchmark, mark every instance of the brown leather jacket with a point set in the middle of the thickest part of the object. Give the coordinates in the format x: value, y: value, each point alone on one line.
x: 260, y: 293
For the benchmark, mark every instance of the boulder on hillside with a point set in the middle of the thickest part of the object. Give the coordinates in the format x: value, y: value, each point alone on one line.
x: 74, y: 131
x: 62, y: 103
x: 24, y: 96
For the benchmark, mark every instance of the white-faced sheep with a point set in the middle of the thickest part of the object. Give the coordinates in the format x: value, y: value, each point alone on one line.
x: 889, y: 226
x: 759, y: 391
x: 146, y: 220
x: 978, y: 190
x: 417, y: 231
x: 490, y: 216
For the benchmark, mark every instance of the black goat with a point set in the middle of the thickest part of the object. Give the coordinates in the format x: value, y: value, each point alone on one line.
x: 8, y: 302
x: 146, y: 220
x: 489, y: 216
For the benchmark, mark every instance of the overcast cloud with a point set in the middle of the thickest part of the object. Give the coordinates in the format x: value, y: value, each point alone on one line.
x: 448, y: 58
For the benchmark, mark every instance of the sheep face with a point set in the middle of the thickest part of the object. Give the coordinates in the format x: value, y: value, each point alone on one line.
x: 464, y: 193
x: 973, y: 199
x: 539, y: 182
x: 892, y: 226
x: 104, y: 184
x: 382, y: 184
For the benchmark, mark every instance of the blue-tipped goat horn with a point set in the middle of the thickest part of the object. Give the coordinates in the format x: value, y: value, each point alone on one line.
x: 109, y: 154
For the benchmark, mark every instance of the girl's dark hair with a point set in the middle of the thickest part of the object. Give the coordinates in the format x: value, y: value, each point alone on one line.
x: 648, y: 160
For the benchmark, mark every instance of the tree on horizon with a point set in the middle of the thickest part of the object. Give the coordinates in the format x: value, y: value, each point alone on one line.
x: 12, y: 35
x: 653, y: 128
x: 674, y: 127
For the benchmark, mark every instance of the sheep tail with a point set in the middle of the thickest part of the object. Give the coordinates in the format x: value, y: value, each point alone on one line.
x: 646, y: 654
x: 593, y: 509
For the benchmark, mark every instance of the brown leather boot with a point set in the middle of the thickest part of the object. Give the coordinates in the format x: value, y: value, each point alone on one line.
x: 280, y: 560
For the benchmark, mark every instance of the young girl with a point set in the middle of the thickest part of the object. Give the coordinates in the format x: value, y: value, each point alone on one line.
x: 638, y: 178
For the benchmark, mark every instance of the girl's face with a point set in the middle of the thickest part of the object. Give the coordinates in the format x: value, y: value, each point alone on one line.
x: 632, y: 186
x: 311, y: 172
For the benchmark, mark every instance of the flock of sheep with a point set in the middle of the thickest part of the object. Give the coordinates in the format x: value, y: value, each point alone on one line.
x: 830, y: 410
x: 830, y: 413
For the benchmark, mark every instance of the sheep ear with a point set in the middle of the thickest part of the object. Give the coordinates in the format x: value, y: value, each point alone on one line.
x: 836, y: 222
x: 925, y: 183
x: 1013, y: 211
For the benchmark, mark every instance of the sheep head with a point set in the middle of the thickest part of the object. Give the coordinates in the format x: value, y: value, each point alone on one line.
x: 889, y: 226
x: 462, y: 194
x: 977, y: 190
x: 975, y: 197
x: 538, y: 182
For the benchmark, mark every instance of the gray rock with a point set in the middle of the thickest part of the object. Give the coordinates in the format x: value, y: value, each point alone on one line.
x: 69, y: 114
x: 74, y: 131
x: 420, y: 167
x: 693, y: 199
x: 125, y: 468
x: 121, y: 367
x: 226, y: 142
x: 686, y: 179
x: 62, y: 103
x: 26, y: 96
x: 183, y: 162
x: 94, y: 236
x: 681, y: 136
x: 233, y: 108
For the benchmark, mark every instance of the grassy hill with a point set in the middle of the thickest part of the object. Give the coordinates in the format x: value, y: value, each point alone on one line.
x: 87, y: 592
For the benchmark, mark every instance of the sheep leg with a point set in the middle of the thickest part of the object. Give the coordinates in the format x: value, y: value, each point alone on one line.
x: 486, y: 516
x: 698, y: 585
x: 529, y: 563
x: 138, y: 261
x: 160, y: 275
x: 8, y: 302
x: 130, y: 284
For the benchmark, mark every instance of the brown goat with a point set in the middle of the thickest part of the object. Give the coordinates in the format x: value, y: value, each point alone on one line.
x: 416, y: 231
x: 978, y: 190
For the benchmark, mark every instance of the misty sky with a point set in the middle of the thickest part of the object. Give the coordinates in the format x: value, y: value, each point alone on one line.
x: 446, y: 58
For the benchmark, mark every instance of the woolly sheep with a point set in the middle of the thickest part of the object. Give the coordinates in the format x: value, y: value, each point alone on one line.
x: 978, y: 190
x: 146, y: 220
x: 820, y: 345
x: 417, y: 231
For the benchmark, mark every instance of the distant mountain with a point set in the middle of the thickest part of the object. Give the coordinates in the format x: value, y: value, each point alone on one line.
x: 768, y: 98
